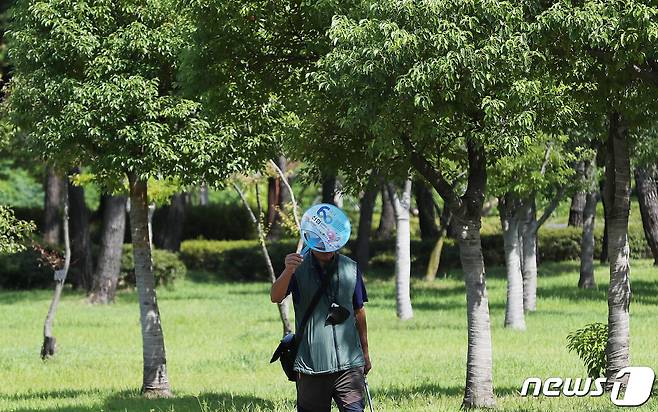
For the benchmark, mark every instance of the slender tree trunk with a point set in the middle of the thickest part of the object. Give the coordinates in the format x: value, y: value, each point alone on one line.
x: 49, y: 346
x: 366, y: 206
x: 171, y: 233
x: 155, y: 382
x: 81, y: 259
x: 329, y: 189
x: 283, y: 306
x: 618, y: 206
x: 52, y: 203
x: 203, y: 194
x: 109, y: 258
x: 604, y: 241
x: 277, y: 197
x: 509, y: 219
x: 587, y: 280
x: 647, y: 193
x: 426, y: 213
x: 576, y: 209
x: 435, y: 256
x: 401, y: 206
x: 387, y: 218
x: 529, y: 255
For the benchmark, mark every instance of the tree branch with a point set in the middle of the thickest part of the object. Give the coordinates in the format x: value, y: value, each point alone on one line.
x: 445, y: 190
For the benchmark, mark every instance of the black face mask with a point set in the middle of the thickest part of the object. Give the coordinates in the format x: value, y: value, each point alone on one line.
x: 337, y: 315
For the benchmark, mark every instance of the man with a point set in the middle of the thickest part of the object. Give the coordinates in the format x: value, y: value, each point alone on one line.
x: 332, y: 359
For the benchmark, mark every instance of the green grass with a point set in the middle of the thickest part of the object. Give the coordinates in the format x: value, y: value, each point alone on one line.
x: 219, y: 338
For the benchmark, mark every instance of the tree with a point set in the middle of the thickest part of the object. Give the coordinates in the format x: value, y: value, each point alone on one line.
x: 52, y: 203
x: 82, y: 266
x: 586, y: 280
x: 387, y: 216
x: 95, y: 83
x: 401, y: 205
x: 439, y: 87
x: 426, y: 213
x: 646, y: 181
x: 612, y: 46
x: 366, y: 208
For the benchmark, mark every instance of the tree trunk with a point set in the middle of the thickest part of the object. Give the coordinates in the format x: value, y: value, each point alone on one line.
x: 426, y: 213
x: 82, y: 265
x: 366, y: 206
x: 329, y: 189
x: 435, y: 256
x: 647, y: 193
x: 52, y: 204
x: 283, y: 306
x: 387, y: 218
x: 109, y: 258
x: 401, y: 206
x: 587, y: 280
x: 479, y: 365
x: 277, y: 197
x: 155, y: 382
x: 509, y: 219
x: 618, y: 206
x: 49, y: 346
x: 576, y: 209
x: 172, y: 232
x: 203, y: 194
x: 604, y: 242
x: 529, y: 254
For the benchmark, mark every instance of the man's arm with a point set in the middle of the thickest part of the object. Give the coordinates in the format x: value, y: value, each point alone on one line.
x: 279, y: 288
x: 362, y: 327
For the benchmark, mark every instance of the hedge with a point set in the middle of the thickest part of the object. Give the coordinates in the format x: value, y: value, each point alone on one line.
x: 23, y: 270
x: 243, y: 259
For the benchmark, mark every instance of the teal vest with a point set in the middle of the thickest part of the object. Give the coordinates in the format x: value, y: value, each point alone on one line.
x: 331, y: 348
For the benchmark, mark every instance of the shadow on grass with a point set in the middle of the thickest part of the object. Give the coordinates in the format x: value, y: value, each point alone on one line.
x: 432, y: 390
x: 643, y: 291
x: 133, y: 401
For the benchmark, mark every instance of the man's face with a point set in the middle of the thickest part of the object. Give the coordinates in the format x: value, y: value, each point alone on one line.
x: 323, y: 256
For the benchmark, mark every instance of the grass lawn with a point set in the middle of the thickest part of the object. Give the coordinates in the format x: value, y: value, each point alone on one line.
x: 219, y: 338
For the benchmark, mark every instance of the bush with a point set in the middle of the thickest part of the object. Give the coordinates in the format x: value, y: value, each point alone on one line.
x: 24, y: 270
x: 214, y: 221
x: 167, y: 267
x: 589, y: 343
x: 236, y: 259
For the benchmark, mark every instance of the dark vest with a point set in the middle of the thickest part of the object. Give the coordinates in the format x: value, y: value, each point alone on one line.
x: 330, y: 348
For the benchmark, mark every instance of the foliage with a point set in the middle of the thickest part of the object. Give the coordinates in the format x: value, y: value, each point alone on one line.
x: 12, y: 231
x: 167, y: 267
x: 589, y: 343
x: 95, y: 83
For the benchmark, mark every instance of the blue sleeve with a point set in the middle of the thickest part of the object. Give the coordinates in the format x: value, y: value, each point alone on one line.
x: 360, y: 294
x: 292, y: 288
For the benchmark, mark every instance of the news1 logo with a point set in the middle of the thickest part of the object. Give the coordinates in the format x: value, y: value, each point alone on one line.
x: 638, y: 388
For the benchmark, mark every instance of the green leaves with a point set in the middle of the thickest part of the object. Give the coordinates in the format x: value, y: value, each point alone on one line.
x: 12, y: 231
x: 589, y: 343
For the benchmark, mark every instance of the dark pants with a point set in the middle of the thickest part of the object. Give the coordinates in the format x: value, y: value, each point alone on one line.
x: 314, y: 392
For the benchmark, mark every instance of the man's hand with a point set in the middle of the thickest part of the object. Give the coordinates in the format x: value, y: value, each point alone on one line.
x: 280, y: 285
x: 367, y: 366
x: 293, y: 260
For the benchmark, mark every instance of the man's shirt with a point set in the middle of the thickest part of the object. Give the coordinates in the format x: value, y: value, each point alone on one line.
x: 359, y: 297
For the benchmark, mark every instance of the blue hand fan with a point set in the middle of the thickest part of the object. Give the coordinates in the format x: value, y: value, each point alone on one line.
x: 325, y: 228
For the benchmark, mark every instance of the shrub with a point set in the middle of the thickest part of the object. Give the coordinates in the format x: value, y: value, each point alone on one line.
x: 589, y: 343
x: 213, y: 221
x: 167, y: 267
x: 243, y: 259
x: 24, y: 270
